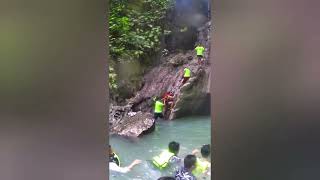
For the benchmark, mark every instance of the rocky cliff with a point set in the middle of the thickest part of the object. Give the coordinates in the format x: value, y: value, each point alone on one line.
x: 193, y: 98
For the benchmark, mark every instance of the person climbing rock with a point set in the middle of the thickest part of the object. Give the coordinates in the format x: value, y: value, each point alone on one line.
x: 158, y: 108
x: 203, y: 163
x: 114, y: 163
x: 185, y: 172
x: 186, y: 76
x: 200, y: 50
x: 168, y: 99
x: 167, y: 157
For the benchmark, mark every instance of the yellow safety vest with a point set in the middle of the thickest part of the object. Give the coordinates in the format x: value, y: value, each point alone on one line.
x: 158, y: 108
x: 201, y: 167
x: 162, y: 160
x: 115, y: 157
x: 187, y: 72
x: 199, y: 50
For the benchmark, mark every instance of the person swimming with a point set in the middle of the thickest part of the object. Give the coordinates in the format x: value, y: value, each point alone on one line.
x: 114, y: 163
x: 168, y: 156
x: 203, y: 164
x: 185, y: 172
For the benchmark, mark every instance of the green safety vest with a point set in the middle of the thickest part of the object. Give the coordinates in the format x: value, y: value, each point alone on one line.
x: 162, y: 160
x: 199, y: 50
x: 115, y: 157
x: 158, y: 107
x: 201, y: 167
x: 187, y: 72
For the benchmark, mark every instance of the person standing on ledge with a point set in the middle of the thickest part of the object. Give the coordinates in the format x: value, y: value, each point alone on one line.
x: 158, y: 108
x: 200, y: 51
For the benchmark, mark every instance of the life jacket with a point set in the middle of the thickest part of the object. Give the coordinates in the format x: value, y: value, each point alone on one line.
x: 201, y: 167
x: 114, y: 158
x: 161, y: 161
x: 158, y: 108
x: 187, y: 72
x: 199, y: 50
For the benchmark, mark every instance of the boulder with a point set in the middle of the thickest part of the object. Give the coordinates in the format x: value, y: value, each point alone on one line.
x: 134, y: 124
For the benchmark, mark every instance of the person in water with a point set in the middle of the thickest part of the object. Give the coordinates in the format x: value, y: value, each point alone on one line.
x: 203, y: 163
x: 200, y: 50
x: 158, y: 108
x: 186, y: 75
x: 185, y: 172
x: 114, y: 163
x: 168, y: 99
x: 167, y: 157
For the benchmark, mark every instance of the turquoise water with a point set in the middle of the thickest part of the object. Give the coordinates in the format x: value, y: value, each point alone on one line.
x: 191, y: 133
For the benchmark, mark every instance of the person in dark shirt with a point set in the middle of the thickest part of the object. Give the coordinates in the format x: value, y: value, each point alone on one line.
x: 185, y: 172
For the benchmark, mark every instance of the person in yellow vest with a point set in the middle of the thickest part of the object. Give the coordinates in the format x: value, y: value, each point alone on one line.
x: 158, y: 108
x: 167, y: 157
x: 114, y: 163
x: 200, y: 51
x: 203, y: 164
x: 186, y: 75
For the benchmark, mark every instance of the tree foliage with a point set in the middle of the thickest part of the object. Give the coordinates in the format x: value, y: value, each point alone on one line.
x: 135, y: 29
x: 112, y: 79
x: 135, y: 32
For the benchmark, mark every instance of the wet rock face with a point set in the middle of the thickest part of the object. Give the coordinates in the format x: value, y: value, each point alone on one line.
x: 193, y: 98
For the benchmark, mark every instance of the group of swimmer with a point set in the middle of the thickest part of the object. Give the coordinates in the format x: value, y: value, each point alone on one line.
x: 194, y: 165
x: 168, y: 98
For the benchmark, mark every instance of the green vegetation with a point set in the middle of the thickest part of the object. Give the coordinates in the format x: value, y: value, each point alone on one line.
x: 135, y: 29
x: 112, y: 79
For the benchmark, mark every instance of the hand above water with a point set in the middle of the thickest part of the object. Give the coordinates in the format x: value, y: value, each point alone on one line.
x: 195, y: 151
x: 137, y: 161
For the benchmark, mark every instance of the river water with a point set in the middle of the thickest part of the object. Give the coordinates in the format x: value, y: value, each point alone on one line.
x: 191, y: 133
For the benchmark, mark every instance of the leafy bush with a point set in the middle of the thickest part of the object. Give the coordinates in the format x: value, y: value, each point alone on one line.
x: 135, y: 29
x: 133, y: 32
x: 112, y: 78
